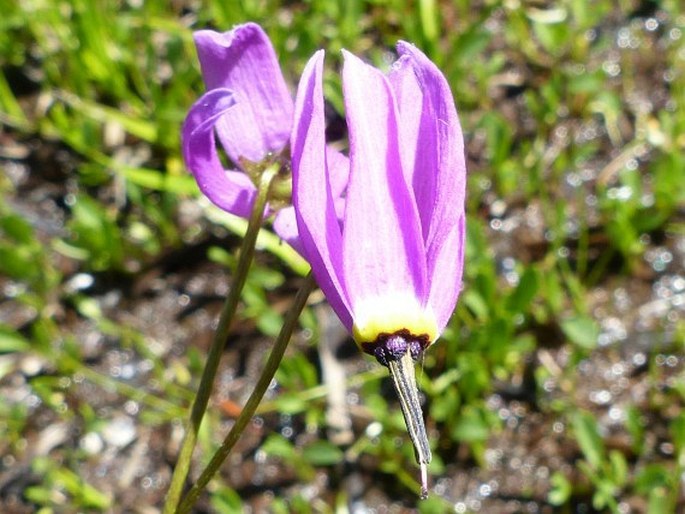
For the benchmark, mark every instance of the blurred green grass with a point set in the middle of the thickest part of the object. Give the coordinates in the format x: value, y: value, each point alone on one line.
x: 573, y: 113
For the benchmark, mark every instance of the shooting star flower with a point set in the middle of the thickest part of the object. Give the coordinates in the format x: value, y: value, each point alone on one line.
x: 391, y: 265
x: 249, y: 107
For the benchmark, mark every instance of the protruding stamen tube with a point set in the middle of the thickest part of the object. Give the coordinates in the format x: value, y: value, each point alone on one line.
x: 404, y: 379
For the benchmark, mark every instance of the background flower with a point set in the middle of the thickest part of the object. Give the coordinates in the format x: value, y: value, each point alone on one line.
x: 247, y: 104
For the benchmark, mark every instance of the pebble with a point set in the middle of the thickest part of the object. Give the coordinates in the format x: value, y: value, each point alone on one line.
x: 119, y: 432
x: 92, y: 443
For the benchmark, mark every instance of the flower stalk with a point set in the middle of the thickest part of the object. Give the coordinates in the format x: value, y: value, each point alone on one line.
x: 199, y: 407
x: 255, y: 398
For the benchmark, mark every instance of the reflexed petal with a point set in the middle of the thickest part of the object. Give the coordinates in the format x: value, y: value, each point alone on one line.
x: 439, y: 177
x: 244, y: 61
x: 285, y: 222
x: 383, y: 247
x: 285, y: 225
x: 232, y: 191
x: 317, y: 223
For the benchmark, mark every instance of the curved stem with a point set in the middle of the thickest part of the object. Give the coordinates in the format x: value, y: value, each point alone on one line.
x: 262, y: 385
x: 219, y: 342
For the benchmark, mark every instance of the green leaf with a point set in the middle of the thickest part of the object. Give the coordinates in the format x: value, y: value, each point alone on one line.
x: 471, y: 426
x: 677, y: 429
x: 278, y: 446
x: 142, y: 128
x: 475, y: 302
x: 432, y: 505
x: 226, y: 501
x: 582, y: 331
x: 445, y: 404
x: 519, y: 300
x: 561, y: 489
x: 84, y: 494
x: 428, y: 13
x: 653, y: 476
x: 659, y: 501
x: 269, y: 322
x: 322, y: 453
x: 94, y: 229
x: 153, y: 179
x: 588, y: 438
x: 38, y: 494
x: 619, y: 467
x: 266, y: 239
x: 11, y: 341
x: 290, y: 403
x: 17, y: 228
x: 9, y: 105
x: 18, y: 262
x: 636, y: 429
x: 553, y: 36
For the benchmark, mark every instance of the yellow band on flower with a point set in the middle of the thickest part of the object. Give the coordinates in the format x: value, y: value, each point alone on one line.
x: 388, y: 314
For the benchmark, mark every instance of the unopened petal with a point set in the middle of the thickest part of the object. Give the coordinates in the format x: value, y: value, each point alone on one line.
x: 318, y: 225
x: 439, y: 176
x: 285, y: 222
x: 230, y: 190
x: 339, y: 175
x: 244, y: 61
x: 383, y: 247
x: 285, y: 226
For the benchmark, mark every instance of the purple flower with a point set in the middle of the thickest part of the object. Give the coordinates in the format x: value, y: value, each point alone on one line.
x: 391, y: 268
x: 247, y: 104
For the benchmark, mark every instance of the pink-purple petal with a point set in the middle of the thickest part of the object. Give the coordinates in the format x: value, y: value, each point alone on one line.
x: 439, y: 178
x: 318, y: 225
x: 285, y: 226
x: 383, y: 246
x: 446, y: 261
x: 410, y: 102
x: 339, y: 176
x: 244, y: 61
x: 230, y: 190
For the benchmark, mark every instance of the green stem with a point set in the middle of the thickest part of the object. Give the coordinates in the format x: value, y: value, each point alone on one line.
x: 219, y: 342
x: 248, y: 411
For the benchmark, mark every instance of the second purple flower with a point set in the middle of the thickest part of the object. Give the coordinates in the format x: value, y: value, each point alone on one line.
x: 247, y: 105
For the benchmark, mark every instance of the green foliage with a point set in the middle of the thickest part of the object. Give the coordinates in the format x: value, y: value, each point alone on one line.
x: 260, y: 281
x: 606, y: 470
x: 64, y: 488
x: 581, y: 330
x: 226, y: 501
